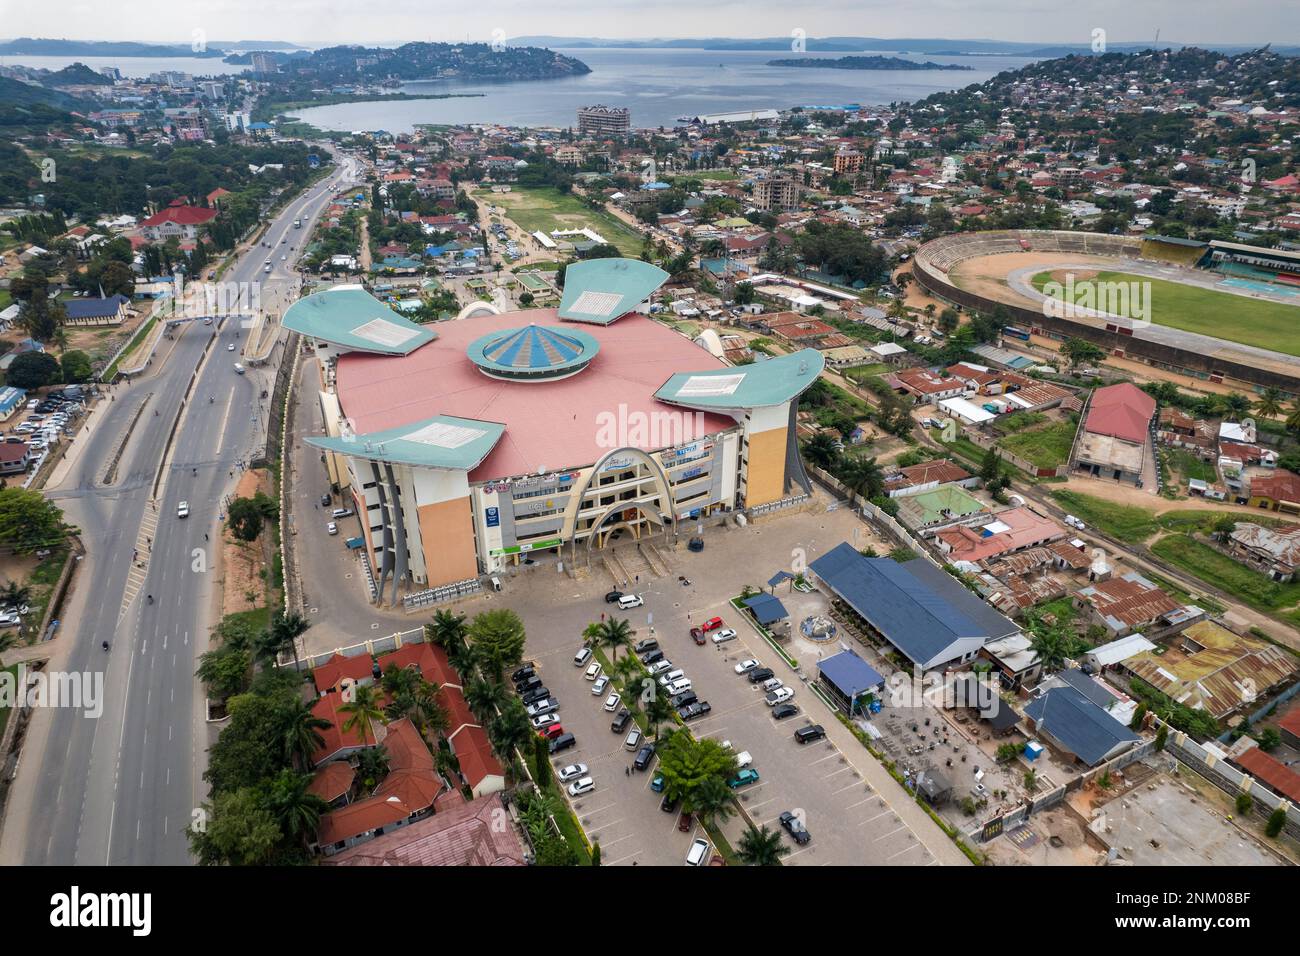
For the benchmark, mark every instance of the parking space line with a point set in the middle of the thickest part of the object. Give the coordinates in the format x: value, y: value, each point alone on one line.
x: 882, y: 813
x: 901, y: 852
x: 836, y: 773
x: 860, y: 802
x: 890, y: 833
x: 829, y: 756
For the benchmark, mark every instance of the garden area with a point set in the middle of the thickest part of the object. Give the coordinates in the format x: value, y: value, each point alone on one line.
x: 1044, y: 446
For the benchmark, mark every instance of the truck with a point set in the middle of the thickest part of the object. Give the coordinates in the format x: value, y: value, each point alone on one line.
x: 297, y: 224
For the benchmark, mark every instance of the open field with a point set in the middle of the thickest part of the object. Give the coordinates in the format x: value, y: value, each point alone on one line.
x: 1046, y: 447
x: 1235, y: 318
x: 547, y: 209
x: 1209, y: 565
x: 1131, y: 523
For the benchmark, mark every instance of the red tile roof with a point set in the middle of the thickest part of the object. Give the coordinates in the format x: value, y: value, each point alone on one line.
x: 332, y: 780
x: 1121, y: 411
x: 1282, y: 485
x: 1270, y: 771
x: 336, y: 739
x: 464, y: 834
x: 182, y: 216
x: 329, y: 674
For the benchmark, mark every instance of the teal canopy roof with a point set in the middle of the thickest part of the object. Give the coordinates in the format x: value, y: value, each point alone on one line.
x: 354, y: 320
x: 533, y: 352
x: 602, y: 290
x: 773, y: 382
x: 439, y: 442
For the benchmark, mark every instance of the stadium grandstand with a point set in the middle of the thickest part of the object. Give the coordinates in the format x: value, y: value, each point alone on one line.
x: 1255, y: 262
x: 1176, y: 251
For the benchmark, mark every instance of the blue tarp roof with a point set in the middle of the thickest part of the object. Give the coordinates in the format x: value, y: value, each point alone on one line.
x: 850, y: 673
x: 917, y: 607
x: 766, y: 608
x: 777, y: 578
x: 1078, y: 724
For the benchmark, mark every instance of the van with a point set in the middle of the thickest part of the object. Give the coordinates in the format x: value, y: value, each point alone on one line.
x: 562, y: 742
x: 629, y: 601
x: 671, y: 676
x: 644, y: 756
x: 582, y: 657
x: 679, y: 686
x: 633, y: 740
x: 807, y: 735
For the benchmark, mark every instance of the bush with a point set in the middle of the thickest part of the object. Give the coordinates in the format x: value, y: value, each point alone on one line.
x: 1276, y: 820
x: 1244, y: 803
x: 76, y: 367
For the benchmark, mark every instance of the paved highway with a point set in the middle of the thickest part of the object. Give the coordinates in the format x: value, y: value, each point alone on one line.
x: 121, y: 789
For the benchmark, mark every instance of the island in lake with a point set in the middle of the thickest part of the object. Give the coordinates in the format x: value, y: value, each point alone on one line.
x: 866, y: 63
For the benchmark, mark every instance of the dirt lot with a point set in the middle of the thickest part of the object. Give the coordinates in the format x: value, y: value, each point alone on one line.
x: 987, y: 275
x: 244, y: 564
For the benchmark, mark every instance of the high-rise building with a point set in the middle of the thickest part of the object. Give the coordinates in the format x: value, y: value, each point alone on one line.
x: 263, y: 64
x: 778, y: 193
x: 603, y: 120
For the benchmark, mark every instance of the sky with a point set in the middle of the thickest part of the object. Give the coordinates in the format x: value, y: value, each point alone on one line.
x: 319, y: 22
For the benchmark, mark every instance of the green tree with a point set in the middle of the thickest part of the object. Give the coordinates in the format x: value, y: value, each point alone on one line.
x: 821, y: 451
x: 300, y: 732
x: 687, y: 763
x: 1162, y: 737
x: 1269, y: 404
x: 245, y: 519
x: 1139, y: 715
x: 595, y: 853
x: 225, y: 671
x: 613, y: 634
x: 76, y: 367
x: 863, y: 477
x: 238, y: 830
x: 498, y: 639
x: 296, y: 809
x: 761, y: 847
x: 1276, y: 821
x: 1080, y: 352
x: 13, y: 594
x: 1244, y: 803
x: 712, y: 800
x: 28, y: 521
x: 362, y: 709
x: 33, y: 370
x: 541, y: 762
x: 485, y: 697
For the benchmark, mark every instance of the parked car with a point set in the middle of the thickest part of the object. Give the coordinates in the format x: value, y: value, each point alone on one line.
x: 808, y: 734
x: 633, y: 740
x: 324, y: 501
x: 629, y: 601
x: 528, y: 684
x: 760, y: 674
x: 779, y: 696
x: 774, y: 683
x: 794, y: 826
x: 782, y: 711
x: 669, y: 803
x: 620, y: 721
x: 331, y: 528
x: 747, y: 665
x: 658, y: 667
x: 643, y: 646
x: 672, y: 675
x: 524, y: 672
x: 612, y: 597
x: 712, y: 624
x: 580, y: 659
x: 593, y: 671
x: 547, y: 706
x: 694, y: 711
x: 542, y: 721
x: 652, y: 657
x: 612, y: 702
x: 534, y: 695
x: 698, y: 854
x: 743, y: 778
x: 562, y: 742
x: 678, y: 686
x: 338, y: 513
x: 598, y: 688
x: 579, y: 787
x: 724, y: 635
x: 697, y: 635
x: 684, y: 822
x: 553, y: 731
x: 644, y: 756
x: 572, y: 772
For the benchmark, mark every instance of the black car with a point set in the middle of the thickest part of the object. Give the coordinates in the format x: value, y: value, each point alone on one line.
x: 525, y: 672
x: 669, y: 804
x: 528, y: 684
x: 620, y: 721
x: 536, y: 694
x: 794, y: 826
x: 324, y: 501
x: 649, y: 644
x: 808, y: 734
x: 694, y: 711
x: 684, y: 699
x: 652, y: 657
x: 612, y: 597
x: 760, y: 674
x: 562, y: 742
x: 643, y: 757
x: 782, y: 711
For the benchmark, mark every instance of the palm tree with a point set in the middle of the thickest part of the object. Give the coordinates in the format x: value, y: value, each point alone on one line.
x: 509, y: 730
x: 626, y: 671
x: 15, y: 594
x: 1235, y: 404
x: 286, y: 628
x: 761, y: 847
x: 361, y: 710
x: 1050, y: 648
x: 613, y: 634
x: 463, y: 659
x: 447, y: 630
x: 820, y: 450
x: 300, y: 729
x: 485, y: 697
x: 1293, y: 419
x: 296, y: 808
x: 1270, y: 402
x: 863, y: 477
x: 712, y: 800
x: 658, y: 711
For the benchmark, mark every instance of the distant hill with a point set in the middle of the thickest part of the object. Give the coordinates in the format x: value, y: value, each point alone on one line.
x: 421, y: 61
x: 864, y: 63
x: 36, y: 109
x: 14, y: 93
x: 29, y: 46
x: 78, y: 74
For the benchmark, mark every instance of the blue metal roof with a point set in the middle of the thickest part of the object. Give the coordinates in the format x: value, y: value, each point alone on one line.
x: 850, y: 673
x: 602, y: 290
x: 762, y: 384
x: 918, y: 608
x: 533, y: 352
x: 1078, y: 724
x: 1088, y: 687
x: 443, y: 441
x: 352, y: 319
x: 777, y: 578
x: 766, y: 608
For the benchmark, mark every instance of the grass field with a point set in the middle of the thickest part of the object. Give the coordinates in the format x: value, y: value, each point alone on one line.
x: 1130, y: 523
x: 1235, y: 318
x: 548, y: 209
x: 1045, y: 447
x: 1203, y: 562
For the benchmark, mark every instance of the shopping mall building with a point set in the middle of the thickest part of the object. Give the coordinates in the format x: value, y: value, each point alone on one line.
x: 469, y: 444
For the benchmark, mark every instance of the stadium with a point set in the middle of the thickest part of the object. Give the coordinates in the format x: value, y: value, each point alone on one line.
x: 474, y: 444
x: 1218, y: 311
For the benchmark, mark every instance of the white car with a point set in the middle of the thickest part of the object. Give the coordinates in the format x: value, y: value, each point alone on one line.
x: 547, y: 705
x: 660, y: 666
x: 745, y: 666
x: 572, y: 772
x: 183, y: 509
x: 230, y: 347
x: 779, y: 696
x: 671, y: 677
x: 629, y: 601
x: 744, y: 759
x: 724, y: 635
x: 593, y: 671
x: 698, y: 854
x: 585, y: 785
x: 612, y: 702
x: 679, y: 687
x: 544, y: 721
x: 773, y: 683
x: 1075, y: 523
x: 598, y: 688
x: 331, y: 528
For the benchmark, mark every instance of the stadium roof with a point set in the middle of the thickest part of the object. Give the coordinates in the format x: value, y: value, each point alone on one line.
x: 773, y: 382
x: 602, y: 290
x: 1262, y: 251
x: 533, y: 352
x: 918, y: 608
x: 355, y: 321
x: 439, y: 442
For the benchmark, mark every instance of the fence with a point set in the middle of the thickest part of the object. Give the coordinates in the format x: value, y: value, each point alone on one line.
x: 983, y: 440
x: 370, y: 648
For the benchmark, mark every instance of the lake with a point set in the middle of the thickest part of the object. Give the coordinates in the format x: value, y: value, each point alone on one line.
x: 657, y: 86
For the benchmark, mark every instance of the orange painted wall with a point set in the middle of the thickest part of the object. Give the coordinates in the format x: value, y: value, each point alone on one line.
x: 447, y: 536
x: 766, y: 481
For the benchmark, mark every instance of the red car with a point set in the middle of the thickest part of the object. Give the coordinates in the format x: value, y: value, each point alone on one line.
x: 684, y: 823
x: 697, y: 635
x: 712, y: 624
x: 551, y: 732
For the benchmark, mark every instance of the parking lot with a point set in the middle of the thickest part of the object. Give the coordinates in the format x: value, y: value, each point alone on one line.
x: 857, y: 814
